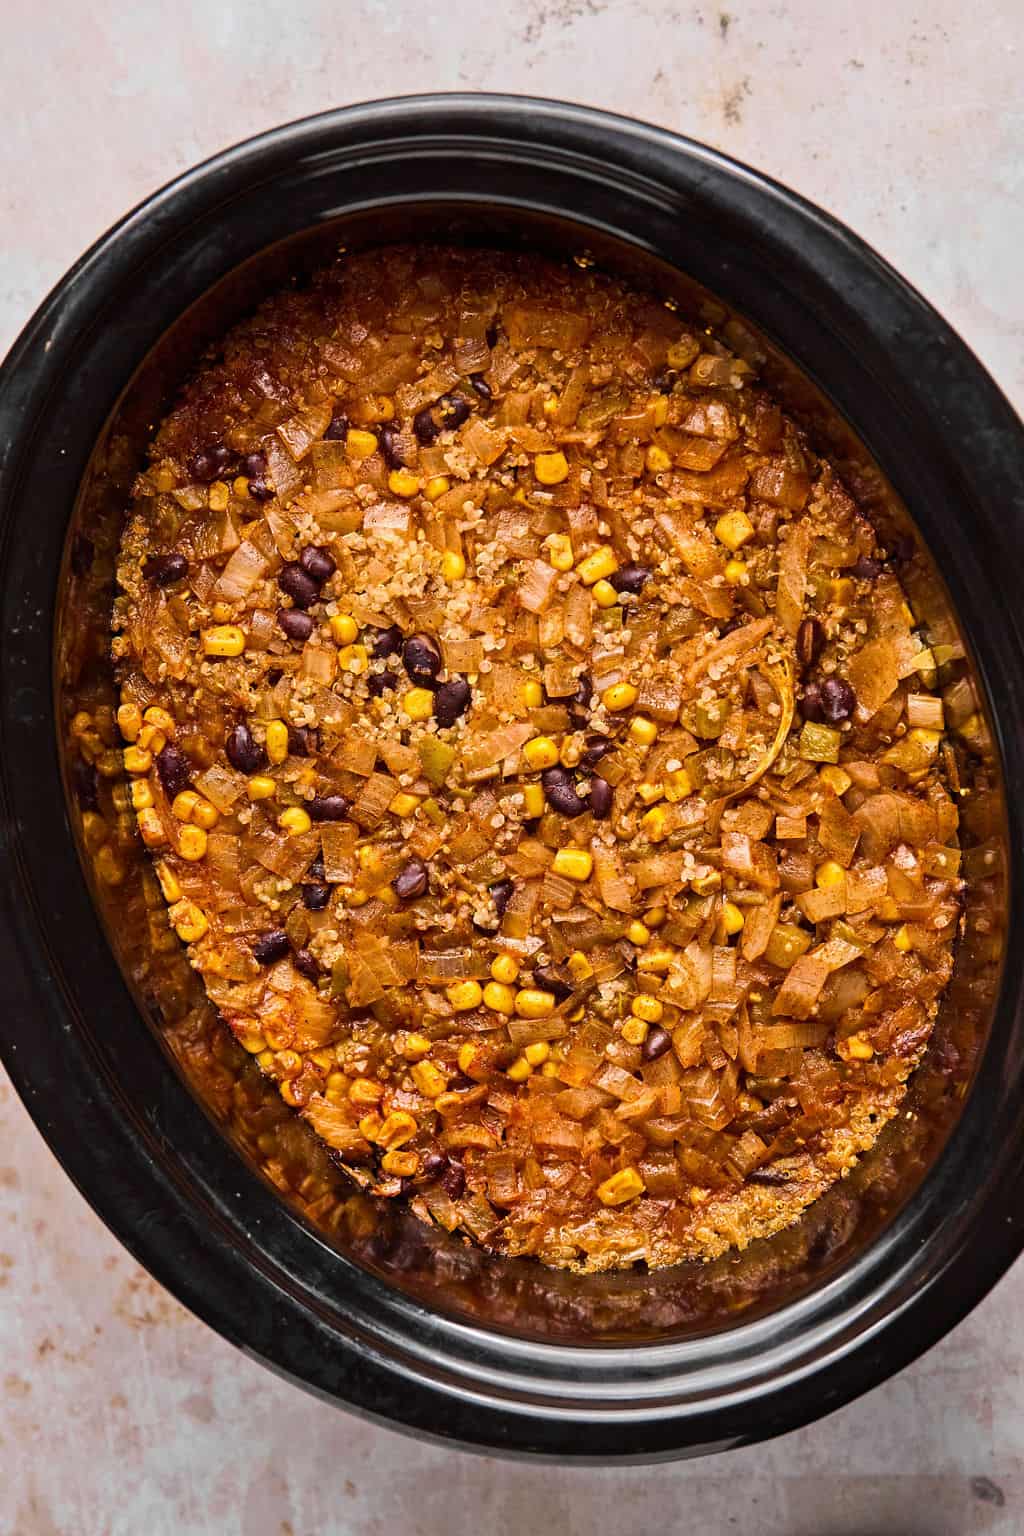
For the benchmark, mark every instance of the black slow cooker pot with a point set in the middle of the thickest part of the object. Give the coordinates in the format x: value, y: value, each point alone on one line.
x: 168, y: 1130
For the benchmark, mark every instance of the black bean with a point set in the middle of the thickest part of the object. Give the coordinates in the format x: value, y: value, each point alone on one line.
x: 810, y: 637
x: 600, y: 798
x: 866, y: 568
x: 425, y: 427
x: 259, y: 490
x: 838, y: 700
x: 338, y: 429
x: 318, y: 563
x: 453, y: 1180
x: 501, y: 893
x: 390, y: 447
x: 810, y: 704
x: 630, y: 578
x: 548, y: 979
x: 254, y: 465
x: 86, y: 782
x: 481, y: 386
x: 596, y: 748
x: 584, y: 690
x: 387, y: 642
x: 491, y: 336
x: 296, y: 624
x: 666, y: 380
x: 422, y: 659
x: 453, y: 410
x: 243, y: 751
x: 411, y: 881
x: 305, y: 963
x: 83, y: 551
x: 174, y: 769
x: 210, y: 462
x: 657, y: 1043
x: 316, y: 867
x: 432, y: 1164
x: 162, y: 570
x: 315, y: 896
x: 271, y: 946
x: 303, y: 740
x: 328, y: 807
x: 560, y: 792
x: 378, y: 683
x: 451, y: 700
x: 295, y: 583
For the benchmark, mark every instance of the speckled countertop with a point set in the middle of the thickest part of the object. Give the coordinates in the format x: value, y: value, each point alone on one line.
x: 121, y: 1414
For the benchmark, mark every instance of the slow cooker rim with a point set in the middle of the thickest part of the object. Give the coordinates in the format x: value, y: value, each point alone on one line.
x: 162, y: 206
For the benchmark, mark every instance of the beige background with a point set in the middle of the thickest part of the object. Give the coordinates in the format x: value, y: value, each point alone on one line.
x: 120, y: 1414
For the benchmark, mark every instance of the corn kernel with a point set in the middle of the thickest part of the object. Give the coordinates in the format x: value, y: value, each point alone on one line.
x: 398, y: 1128
x: 732, y: 918
x: 151, y: 740
x: 160, y: 720
x: 735, y: 572
x: 598, y: 566
x: 520, y: 1070
x: 366, y: 1091
x: 168, y: 882
x: 577, y: 1014
x: 643, y: 731
x: 533, y: 801
x: 638, y: 932
x: 81, y: 723
x: 151, y: 828
x: 579, y: 966
x: 370, y: 857
x: 541, y: 752
x: 418, y: 704
x: 416, y: 1045
x: 550, y: 405
x: 370, y: 1125
x: 655, y: 916
x: 532, y: 1003
x: 569, y: 753
x: 902, y: 939
x: 294, y: 821
x: 656, y: 958
x: 221, y: 613
x: 829, y: 875
x: 655, y: 824
x: 537, y: 1053
x: 108, y: 865
x: 141, y: 795
x: 344, y: 628
x: 192, y: 843
x: 129, y: 721
x: 855, y: 1048
x: 618, y: 697
x: 277, y: 741
x: 505, y: 968
x: 402, y: 482
x: 733, y: 529
x: 109, y: 764
x: 604, y: 594
x: 189, y: 921
x: 428, y: 1079
x: 620, y: 1187
x: 560, y: 552
x: 136, y: 760
x: 707, y: 884
x: 649, y: 793
x: 219, y: 495
x: 359, y: 444
x: 240, y: 486
x: 657, y: 407
x: 436, y: 487
x: 500, y: 997
x: 532, y: 693
x: 573, y: 863
x: 400, y: 1165
x: 353, y: 659
x: 647, y: 1008
x: 657, y: 460
x: 259, y: 787
x: 634, y: 1031
x: 550, y: 1069
x: 223, y: 640
x: 453, y: 565
x: 464, y: 995
x: 551, y: 468
x: 468, y: 1058
x: 206, y: 815
x: 837, y: 780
